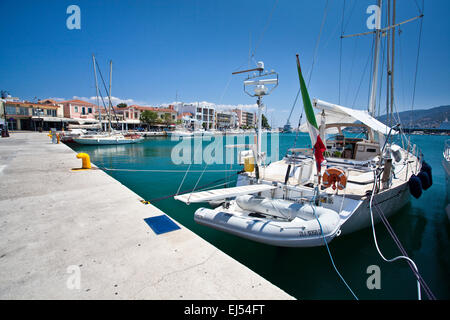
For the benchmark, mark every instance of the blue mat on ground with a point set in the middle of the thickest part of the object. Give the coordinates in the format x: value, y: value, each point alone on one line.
x: 161, y: 224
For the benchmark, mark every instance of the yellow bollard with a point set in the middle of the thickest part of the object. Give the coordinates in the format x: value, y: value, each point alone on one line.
x: 86, y: 160
x: 58, y: 138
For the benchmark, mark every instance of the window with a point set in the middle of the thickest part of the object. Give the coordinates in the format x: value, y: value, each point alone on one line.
x: 23, y: 111
x: 75, y: 109
x: 83, y: 110
x: 51, y: 112
x: 135, y: 115
x: 10, y: 110
x: 89, y: 110
x: 126, y: 114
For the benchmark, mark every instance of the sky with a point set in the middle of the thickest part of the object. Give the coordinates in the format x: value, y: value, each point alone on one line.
x: 167, y: 50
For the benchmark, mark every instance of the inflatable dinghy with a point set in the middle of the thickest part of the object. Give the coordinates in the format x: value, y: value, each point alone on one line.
x: 273, y: 221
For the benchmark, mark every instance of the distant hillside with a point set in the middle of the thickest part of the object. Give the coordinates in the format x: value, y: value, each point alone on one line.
x: 424, y: 118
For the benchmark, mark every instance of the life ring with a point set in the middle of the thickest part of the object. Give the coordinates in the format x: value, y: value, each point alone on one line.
x: 334, y: 177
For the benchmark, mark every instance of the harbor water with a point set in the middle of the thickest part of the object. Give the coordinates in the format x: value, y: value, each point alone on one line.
x: 306, y: 273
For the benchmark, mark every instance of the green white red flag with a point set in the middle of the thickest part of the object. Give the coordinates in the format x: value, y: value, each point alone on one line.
x: 314, y: 133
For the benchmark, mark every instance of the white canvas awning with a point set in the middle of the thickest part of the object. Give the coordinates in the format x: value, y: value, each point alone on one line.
x: 339, y: 114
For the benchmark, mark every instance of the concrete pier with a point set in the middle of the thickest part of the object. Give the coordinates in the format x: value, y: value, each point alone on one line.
x: 81, y: 235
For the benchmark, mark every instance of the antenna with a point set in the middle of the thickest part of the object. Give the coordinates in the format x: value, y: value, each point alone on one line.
x: 260, y: 84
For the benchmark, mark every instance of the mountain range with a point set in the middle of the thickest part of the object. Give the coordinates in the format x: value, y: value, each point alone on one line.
x: 423, y: 118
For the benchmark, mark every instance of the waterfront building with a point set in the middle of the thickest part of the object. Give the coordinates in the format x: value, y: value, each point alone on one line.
x: 226, y: 120
x: 245, y: 119
x: 130, y: 116
x: 24, y: 115
x: 204, y: 114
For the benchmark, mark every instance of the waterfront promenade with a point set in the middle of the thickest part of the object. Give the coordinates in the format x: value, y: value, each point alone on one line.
x: 82, y: 235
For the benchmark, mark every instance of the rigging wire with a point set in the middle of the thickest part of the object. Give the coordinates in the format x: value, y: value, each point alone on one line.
x: 107, y: 92
x: 362, y: 77
x: 417, y: 63
x: 340, y: 53
x: 261, y: 36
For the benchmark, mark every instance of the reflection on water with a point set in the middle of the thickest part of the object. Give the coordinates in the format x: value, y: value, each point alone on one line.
x: 306, y: 273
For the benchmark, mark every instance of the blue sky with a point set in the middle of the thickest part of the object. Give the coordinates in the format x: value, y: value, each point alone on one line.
x: 163, y: 48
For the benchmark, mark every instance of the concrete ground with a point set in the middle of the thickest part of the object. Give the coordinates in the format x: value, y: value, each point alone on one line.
x: 81, y: 235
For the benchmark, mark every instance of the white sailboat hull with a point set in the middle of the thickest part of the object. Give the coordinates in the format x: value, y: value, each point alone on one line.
x: 389, y: 202
x: 106, y: 140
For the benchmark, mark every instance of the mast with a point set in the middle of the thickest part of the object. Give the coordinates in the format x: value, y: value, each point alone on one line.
x: 109, y: 109
x: 388, y: 64
x: 96, y: 90
x: 392, y: 60
x: 373, y: 89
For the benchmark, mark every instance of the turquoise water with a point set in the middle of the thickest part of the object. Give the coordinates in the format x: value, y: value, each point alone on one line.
x: 305, y: 273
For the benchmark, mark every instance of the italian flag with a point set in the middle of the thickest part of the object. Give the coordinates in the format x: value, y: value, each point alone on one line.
x: 316, y: 141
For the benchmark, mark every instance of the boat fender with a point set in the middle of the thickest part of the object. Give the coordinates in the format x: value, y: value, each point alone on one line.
x: 427, y: 168
x: 424, y: 179
x: 415, y: 186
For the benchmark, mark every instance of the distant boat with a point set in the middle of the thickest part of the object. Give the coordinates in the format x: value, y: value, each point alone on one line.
x: 287, y: 128
x: 108, y: 139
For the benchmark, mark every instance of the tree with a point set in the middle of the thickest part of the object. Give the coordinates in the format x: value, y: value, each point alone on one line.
x: 264, y: 122
x: 121, y: 105
x: 167, y: 118
x: 148, y: 117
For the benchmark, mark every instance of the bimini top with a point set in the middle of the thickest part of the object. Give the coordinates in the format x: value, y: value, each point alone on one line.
x: 339, y: 114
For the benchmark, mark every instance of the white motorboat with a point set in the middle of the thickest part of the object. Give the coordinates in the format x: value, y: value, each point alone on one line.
x: 108, y: 139
x: 181, y: 133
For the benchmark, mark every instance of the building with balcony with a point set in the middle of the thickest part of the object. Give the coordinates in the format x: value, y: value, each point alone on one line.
x: 245, y: 119
x: 204, y: 114
x: 24, y: 115
x: 226, y: 120
x: 130, y: 116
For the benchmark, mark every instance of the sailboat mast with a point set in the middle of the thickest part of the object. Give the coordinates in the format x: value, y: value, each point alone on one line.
x: 392, y: 60
x: 96, y: 90
x: 110, y: 79
x: 373, y: 89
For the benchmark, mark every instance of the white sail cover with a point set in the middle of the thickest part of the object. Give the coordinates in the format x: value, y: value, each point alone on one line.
x: 339, y: 114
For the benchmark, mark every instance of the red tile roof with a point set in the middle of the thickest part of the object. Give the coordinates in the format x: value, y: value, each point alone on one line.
x: 143, y: 108
x: 27, y: 104
x: 79, y: 102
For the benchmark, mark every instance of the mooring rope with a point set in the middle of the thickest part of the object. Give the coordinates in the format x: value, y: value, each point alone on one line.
x: 413, y: 267
x: 402, y: 250
x: 164, y: 170
x: 331, y: 257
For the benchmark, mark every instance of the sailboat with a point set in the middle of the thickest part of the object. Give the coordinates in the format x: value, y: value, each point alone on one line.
x: 110, y: 137
x: 314, y: 195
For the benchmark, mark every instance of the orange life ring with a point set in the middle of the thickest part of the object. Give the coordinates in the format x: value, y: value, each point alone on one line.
x: 334, y: 177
